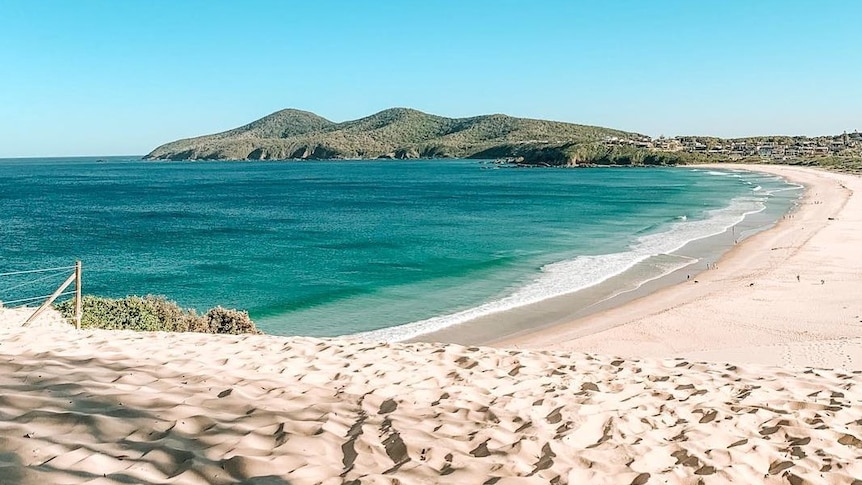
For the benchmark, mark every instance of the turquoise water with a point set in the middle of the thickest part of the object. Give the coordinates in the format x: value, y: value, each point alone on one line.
x: 333, y: 248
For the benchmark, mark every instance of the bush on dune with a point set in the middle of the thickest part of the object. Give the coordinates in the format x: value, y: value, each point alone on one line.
x: 223, y: 320
x: 155, y: 313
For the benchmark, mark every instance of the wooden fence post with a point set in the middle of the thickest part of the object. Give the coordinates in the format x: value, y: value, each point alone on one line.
x: 79, y: 308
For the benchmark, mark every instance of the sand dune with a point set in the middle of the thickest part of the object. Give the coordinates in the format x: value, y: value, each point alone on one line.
x: 122, y: 407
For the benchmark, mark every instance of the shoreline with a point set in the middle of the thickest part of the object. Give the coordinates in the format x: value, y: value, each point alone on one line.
x: 634, y: 283
x: 754, y: 280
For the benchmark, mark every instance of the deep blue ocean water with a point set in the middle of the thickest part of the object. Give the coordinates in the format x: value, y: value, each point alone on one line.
x: 333, y: 248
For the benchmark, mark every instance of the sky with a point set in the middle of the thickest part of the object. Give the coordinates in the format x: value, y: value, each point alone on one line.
x: 109, y: 77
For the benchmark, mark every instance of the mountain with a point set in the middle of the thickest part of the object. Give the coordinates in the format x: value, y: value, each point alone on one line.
x: 392, y: 133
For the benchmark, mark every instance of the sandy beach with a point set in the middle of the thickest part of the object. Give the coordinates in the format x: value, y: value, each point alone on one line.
x: 749, y: 375
x: 787, y: 296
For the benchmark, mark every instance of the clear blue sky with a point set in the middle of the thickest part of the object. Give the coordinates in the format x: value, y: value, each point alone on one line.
x: 93, y: 77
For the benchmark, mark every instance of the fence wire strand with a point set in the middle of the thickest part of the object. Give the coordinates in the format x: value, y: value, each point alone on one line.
x: 13, y: 273
x: 26, y: 283
x: 35, y: 298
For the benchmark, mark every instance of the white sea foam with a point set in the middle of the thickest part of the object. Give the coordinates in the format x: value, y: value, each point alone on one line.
x: 666, y: 268
x: 569, y: 276
x: 793, y: 186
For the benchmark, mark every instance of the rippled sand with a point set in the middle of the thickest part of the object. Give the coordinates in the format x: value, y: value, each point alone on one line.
x: 124, y: 407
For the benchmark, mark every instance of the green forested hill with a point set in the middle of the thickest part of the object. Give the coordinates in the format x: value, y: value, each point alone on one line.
x: 392, y: 133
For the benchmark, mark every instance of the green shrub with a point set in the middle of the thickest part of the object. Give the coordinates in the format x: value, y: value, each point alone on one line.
x: 223, y: 320
x: 155, y: 313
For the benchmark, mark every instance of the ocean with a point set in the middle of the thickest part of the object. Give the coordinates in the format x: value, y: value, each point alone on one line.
x: 386, y: 249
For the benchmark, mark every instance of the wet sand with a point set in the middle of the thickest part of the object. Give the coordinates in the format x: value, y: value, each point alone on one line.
x: 643, y: 279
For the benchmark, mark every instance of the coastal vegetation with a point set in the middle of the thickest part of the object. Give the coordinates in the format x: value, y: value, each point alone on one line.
x: 156, y: 313
x: 588, y: 155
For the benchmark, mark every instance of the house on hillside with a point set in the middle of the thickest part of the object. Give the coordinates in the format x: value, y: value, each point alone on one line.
x: 741, y: 149
x: 663, y: 144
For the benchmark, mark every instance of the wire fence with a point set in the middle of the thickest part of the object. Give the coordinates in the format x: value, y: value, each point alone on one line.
x: 26, y: 271
x: 36, y: 298
x: 21, y: 288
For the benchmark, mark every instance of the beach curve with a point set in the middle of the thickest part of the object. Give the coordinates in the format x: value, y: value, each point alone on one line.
x: 791, y: 287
